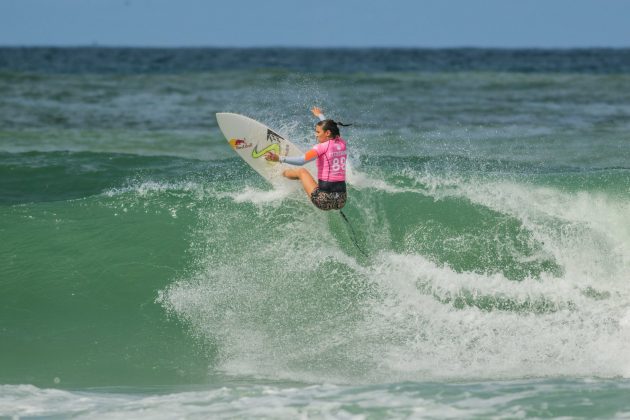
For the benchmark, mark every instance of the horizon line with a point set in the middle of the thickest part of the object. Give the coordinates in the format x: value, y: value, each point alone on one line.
x: 312, y: 47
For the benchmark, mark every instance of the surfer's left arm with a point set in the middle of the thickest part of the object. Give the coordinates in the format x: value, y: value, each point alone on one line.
x: 299, y: 160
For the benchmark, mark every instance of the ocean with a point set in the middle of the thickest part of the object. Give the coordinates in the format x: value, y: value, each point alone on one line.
x: 146, y: 271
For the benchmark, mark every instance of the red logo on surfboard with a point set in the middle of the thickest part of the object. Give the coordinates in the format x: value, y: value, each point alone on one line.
x: 239, y: 144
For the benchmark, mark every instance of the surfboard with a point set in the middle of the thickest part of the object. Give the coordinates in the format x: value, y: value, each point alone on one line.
x: 252, y: 140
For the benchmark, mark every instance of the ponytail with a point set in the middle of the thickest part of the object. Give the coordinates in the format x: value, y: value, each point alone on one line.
x: 333, y: 126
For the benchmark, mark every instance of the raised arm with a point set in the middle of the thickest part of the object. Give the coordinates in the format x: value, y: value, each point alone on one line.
x: 298, y: 160
x: 318, y: 113
x: 311, y: 154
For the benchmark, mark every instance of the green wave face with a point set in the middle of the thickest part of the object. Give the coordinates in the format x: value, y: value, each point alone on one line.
x: 275, y: 147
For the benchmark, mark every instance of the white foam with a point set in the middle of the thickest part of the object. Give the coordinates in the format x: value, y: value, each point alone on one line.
x: 254, y: 401
x: 260, y: 197
x: 419, y: 319
x: 145, y: 188
x: 361, y: 180
x: 429, y: 338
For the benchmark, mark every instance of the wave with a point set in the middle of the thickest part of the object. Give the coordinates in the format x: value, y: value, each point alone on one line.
x: 542, y: 295
x: 177, y: 271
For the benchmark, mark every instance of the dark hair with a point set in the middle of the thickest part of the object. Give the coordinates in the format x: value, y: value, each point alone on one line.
x: 331, y: 125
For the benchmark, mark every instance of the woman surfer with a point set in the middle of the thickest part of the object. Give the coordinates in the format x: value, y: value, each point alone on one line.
x: 329, y: 192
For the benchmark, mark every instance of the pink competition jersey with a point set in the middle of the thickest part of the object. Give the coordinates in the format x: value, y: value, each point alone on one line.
x: 331, y: 160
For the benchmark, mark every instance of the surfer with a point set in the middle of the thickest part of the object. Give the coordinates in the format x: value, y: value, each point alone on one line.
x: 329, y: 192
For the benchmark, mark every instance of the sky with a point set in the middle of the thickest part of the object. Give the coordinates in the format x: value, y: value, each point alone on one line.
x: 316, y: 23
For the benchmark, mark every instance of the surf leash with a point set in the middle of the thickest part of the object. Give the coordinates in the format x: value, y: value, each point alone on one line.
x: 354, y: 236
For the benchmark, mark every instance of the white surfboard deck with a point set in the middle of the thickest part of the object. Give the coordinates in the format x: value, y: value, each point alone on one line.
x: 251, y: 140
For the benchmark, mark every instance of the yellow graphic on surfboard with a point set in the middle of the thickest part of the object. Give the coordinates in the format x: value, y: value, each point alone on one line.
x: 251, y: 141
x: 275, y: 148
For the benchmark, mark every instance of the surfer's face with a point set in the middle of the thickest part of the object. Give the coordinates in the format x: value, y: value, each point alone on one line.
x: 321, y: 135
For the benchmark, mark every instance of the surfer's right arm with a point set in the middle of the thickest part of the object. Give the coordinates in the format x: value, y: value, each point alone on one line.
x: 318, y: 113
x: 298, y: 160
x: 308, y: 156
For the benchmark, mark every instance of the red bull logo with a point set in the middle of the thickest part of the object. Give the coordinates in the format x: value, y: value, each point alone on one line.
x: 239, y: 144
